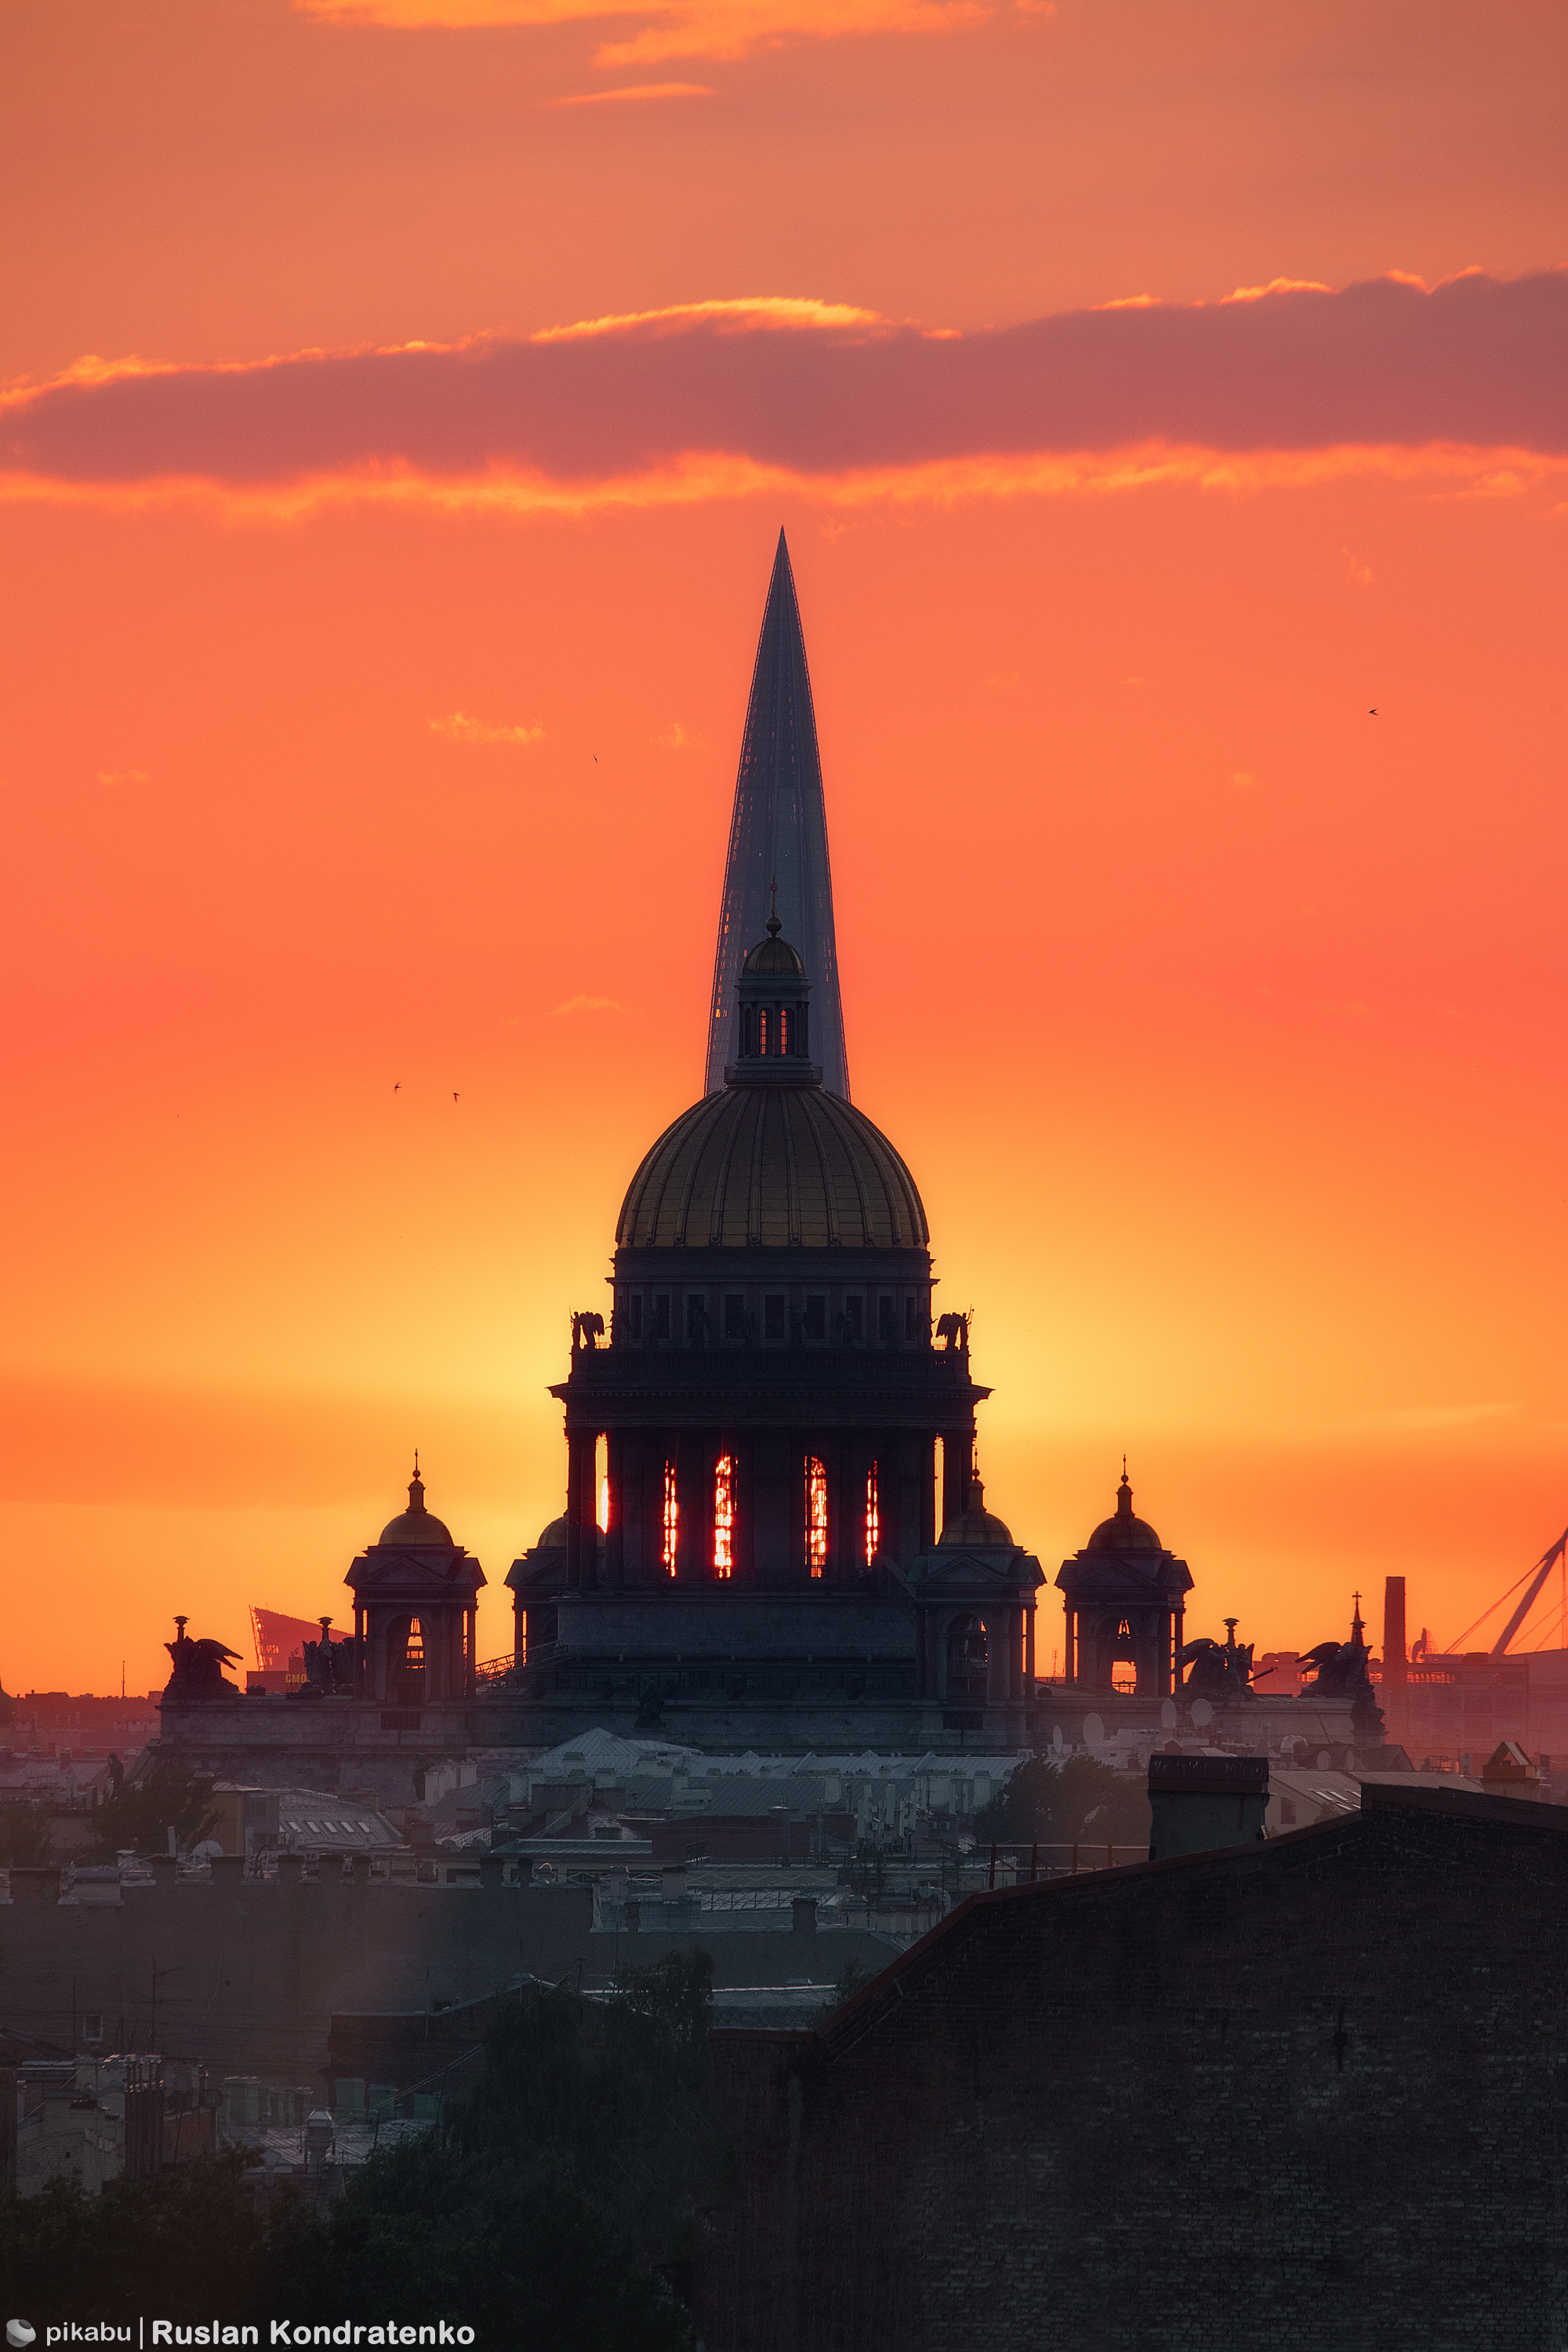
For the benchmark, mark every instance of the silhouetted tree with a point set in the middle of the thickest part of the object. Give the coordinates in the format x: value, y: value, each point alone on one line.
x: 26, y: 1836
x: 1080, y: 1799
x: 139, y: 1815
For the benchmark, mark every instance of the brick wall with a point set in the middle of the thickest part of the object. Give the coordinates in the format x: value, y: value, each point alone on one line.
x: 1309, y: 2093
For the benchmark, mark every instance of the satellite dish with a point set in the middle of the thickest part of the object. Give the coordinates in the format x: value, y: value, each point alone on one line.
x: 1168, y: 1715
x: 1057, y: 1740
x: 1202, y: 1712
x: 1093, y: 1731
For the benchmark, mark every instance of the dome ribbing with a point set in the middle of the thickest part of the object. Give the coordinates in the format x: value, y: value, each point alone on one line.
x: 772, y: 1167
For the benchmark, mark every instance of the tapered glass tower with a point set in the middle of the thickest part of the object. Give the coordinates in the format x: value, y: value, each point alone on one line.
x: 779, y: 834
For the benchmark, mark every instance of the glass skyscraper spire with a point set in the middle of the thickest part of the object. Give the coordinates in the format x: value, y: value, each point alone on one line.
x: 779, y: 834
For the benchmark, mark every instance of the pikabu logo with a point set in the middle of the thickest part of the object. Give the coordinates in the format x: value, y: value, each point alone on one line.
x: 20, y: 2331
x: 74, y: 2331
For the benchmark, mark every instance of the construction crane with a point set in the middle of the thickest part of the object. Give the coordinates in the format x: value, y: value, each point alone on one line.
x: 1538, y: 1576
x: 1532, y: 1579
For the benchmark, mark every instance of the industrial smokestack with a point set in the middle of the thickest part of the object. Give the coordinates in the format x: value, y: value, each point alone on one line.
x: 1395, y: 1678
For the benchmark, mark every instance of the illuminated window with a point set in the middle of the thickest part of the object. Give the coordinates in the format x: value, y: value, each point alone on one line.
x: 873, y: 1515
x: 784, y: 1029
x: 762, y: 1031
x: 816, y: 1515
x: 671, y: 1518
x: 604, y: 1505
x: 413, y: 1648
x: 724, y: 1515
x: 602, y: 1481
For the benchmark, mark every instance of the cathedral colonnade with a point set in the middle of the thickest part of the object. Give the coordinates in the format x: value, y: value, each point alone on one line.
x: 776, y: 1507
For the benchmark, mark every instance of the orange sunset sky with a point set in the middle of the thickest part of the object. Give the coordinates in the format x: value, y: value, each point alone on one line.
x: 375, y: 661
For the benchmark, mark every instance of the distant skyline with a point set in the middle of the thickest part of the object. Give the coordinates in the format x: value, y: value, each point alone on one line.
x: 1166, y: 406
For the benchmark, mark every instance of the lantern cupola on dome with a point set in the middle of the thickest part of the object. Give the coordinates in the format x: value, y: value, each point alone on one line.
x: 773, y: 1017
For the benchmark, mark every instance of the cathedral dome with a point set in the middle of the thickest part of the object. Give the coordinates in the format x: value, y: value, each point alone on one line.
x: 1124, y: 1533
x: 976, y: 1525
x: 772, y: 1167
x: 418, y: 1530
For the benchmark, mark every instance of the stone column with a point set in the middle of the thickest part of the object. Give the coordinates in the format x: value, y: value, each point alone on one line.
x: 955, y: 1450
x: 582, y: 1549
x: 694, y: 1488
x: 616, y: 1535
x: 926, y: 1506
x: 772, y: 1473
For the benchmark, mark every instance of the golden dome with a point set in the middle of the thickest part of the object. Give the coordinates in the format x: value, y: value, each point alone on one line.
x: 975, y: 1525
x: 769, y: 1166
x: 418, y: 1530
x: 1124, y: 1533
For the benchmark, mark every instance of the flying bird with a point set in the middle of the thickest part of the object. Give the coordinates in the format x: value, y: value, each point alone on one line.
x: 1371, y: 714
x: 396, y: 1085
x: 454, y: 1094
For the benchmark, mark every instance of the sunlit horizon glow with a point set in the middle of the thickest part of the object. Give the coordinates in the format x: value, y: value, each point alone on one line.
x: 1173, y: 457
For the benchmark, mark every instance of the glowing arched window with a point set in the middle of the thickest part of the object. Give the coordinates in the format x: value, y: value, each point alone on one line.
x: 816, y: 1515
x: 414, y: 1647
x: 784, y: 1029
x: 724, y: 1515
x: 873, y: 1515
x: 671, y: 1518
x: 762, y: 1031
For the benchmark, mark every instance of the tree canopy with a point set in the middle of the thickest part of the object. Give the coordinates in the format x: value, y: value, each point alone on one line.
x: 554, y: 2211
x: 1077, y: 1801
x: 139, y: 1815
x: 27, y: 1835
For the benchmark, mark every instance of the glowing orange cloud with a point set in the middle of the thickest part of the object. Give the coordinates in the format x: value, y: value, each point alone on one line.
x: 673, y: 28
x: 460, y: 728
x: 636, y: 93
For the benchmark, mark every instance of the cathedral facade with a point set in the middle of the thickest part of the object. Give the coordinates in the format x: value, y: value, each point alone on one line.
x: 774, y: 1538
x: 770, y: 1454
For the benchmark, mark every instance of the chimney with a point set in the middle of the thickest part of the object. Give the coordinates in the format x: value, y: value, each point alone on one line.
x: 1396, y: 1680
x: 1202, y: 1803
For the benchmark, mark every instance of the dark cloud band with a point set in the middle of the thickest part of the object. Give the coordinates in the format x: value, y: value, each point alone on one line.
x: 1477, y: 361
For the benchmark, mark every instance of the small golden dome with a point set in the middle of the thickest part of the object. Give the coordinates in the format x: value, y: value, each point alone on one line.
x: 772, y: 956
x: 418, y: 1530
x: 1124, y: 1533
x: 975, y: 1525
